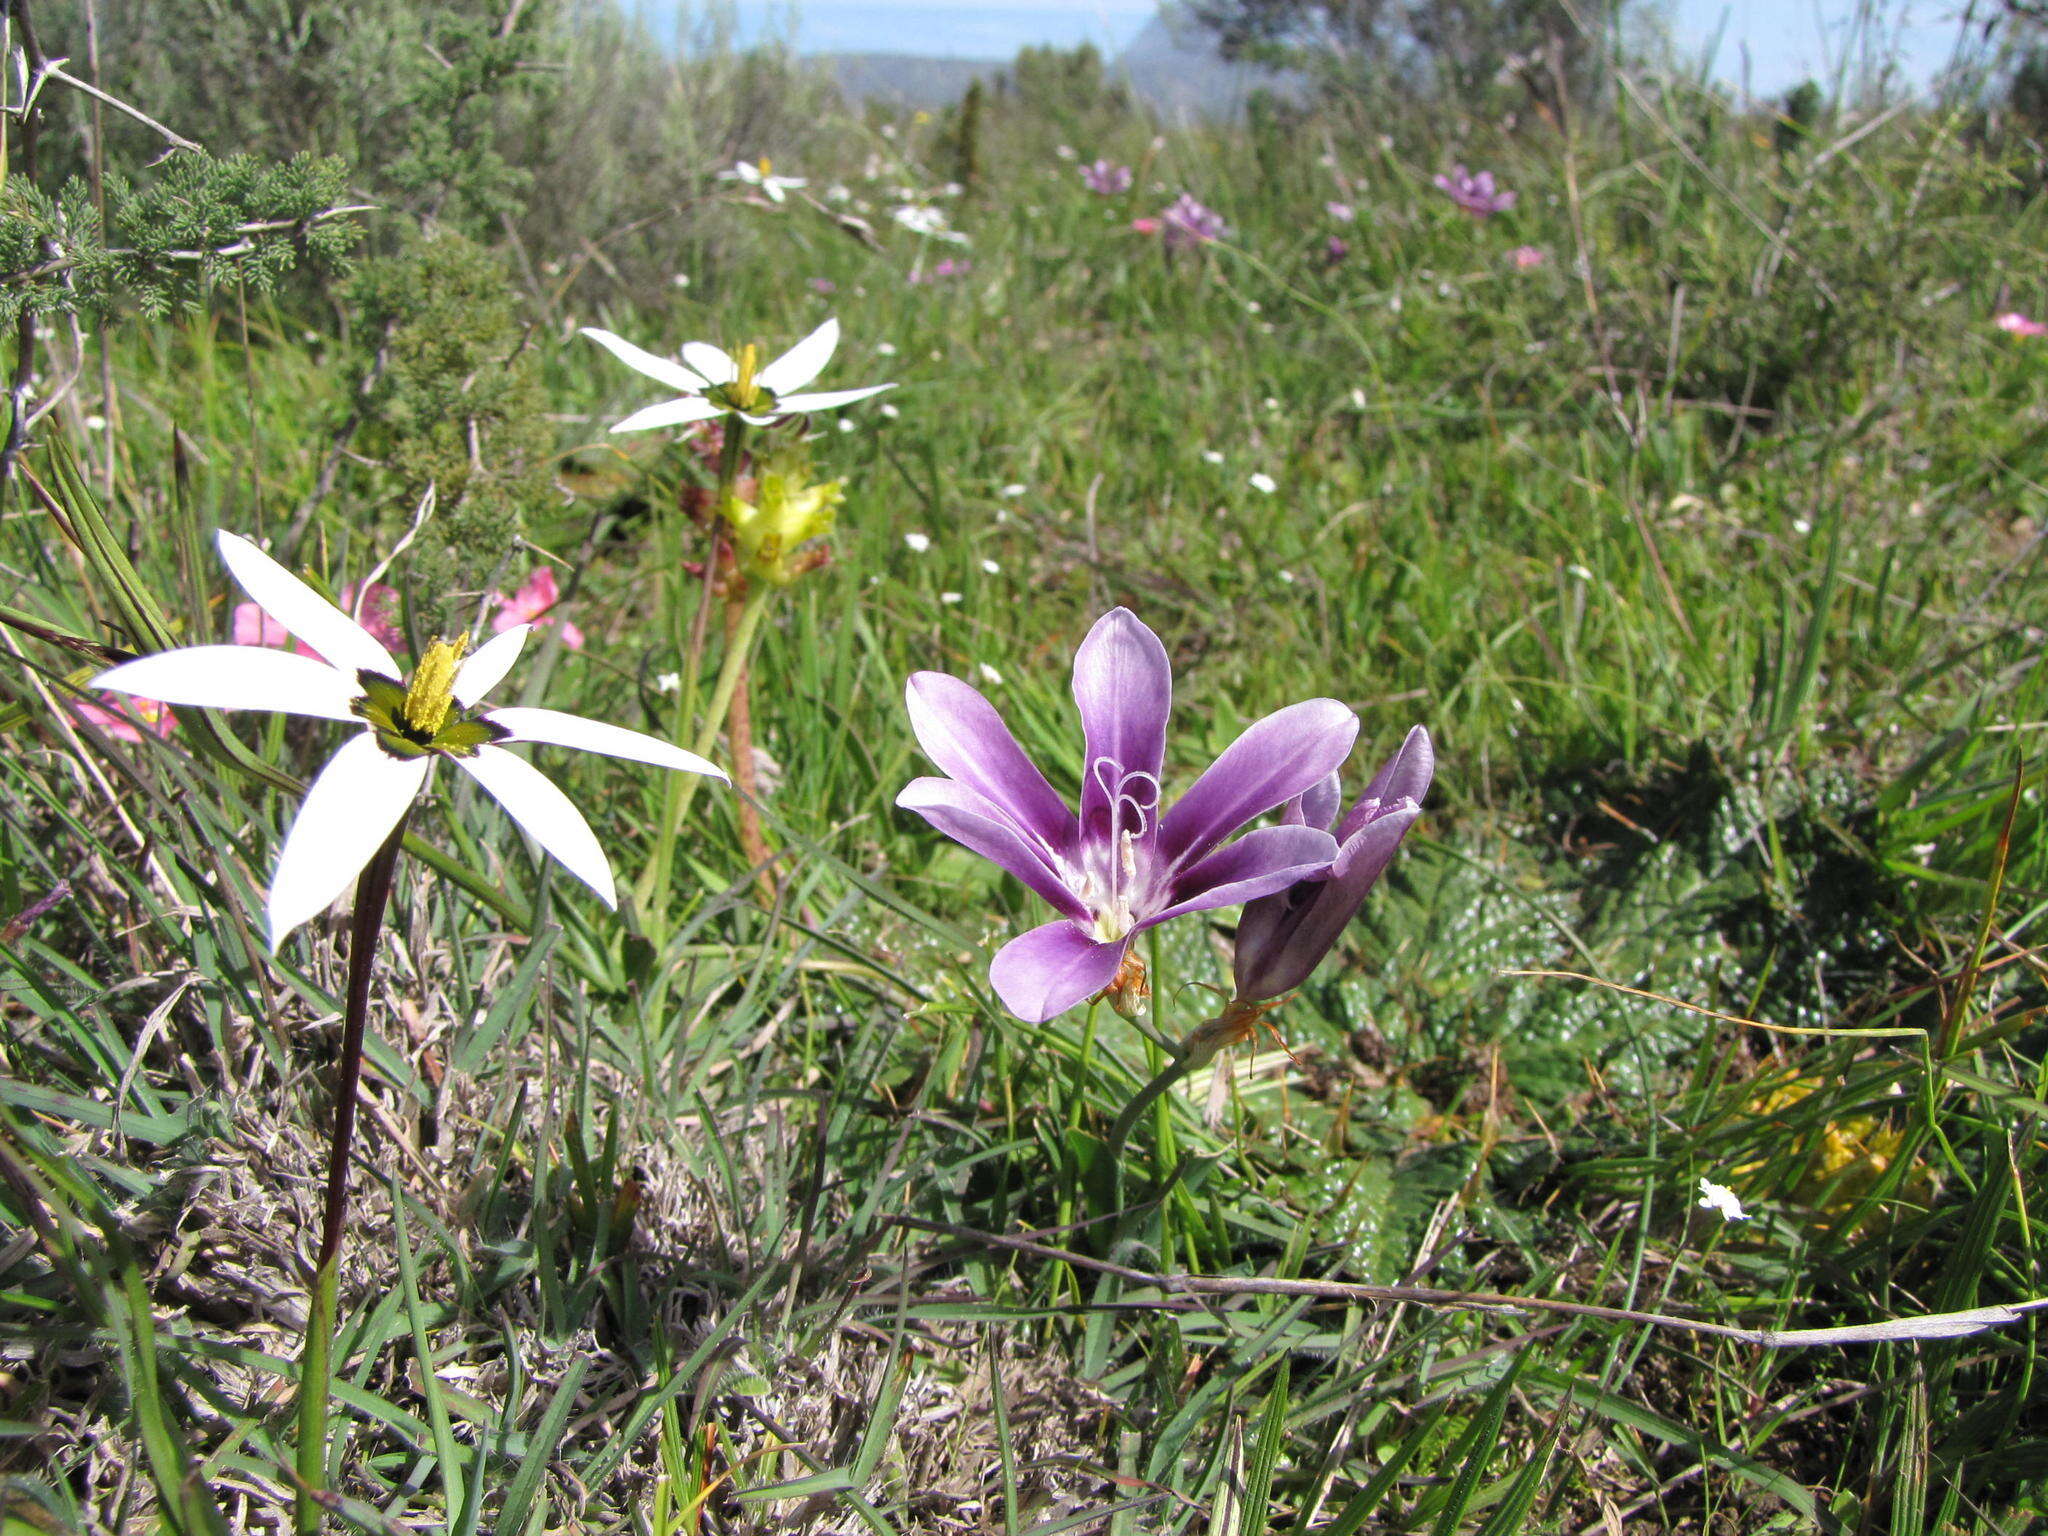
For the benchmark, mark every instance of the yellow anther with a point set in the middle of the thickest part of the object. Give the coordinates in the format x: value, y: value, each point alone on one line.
x: 767, y: 166
x: 432, y: 691
x: 744, y: 392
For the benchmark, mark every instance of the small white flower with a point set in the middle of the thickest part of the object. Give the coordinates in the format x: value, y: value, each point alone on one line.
x: 1288, y: 577
x: 1719, y: 1197
x: 991, y: 567
x: 1801, y: 526
x: 918, y: 543
x: 1211, y: 456
x: 1264, y: 483
x: 1253, y: 307
x: 669, y: 682
x: 885, y: 349
x: 889, y: 410
x: 1358, y: 399
x: 757, y: 174
x: 713, y: 383
x: 927, y: 221
x: 846, y: 425
x: 1580, y: 572
x: 1014, y: 488
x: 1064, y: 151
x: 95, y: 423
x: 681, y: 279
x: 839, y: 192
x: 949, y: 597
x: 406, y: 726
x: 989, y: 674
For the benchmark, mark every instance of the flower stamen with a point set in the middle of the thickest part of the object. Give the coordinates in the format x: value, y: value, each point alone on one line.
x: 432, y: 691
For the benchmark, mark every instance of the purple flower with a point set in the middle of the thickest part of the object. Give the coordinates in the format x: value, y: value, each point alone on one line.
x: 821, y: 285
x: 1475, y: 194
x: 1187, y: 224
x: 1283, y: 937
x: 1119, y: 867
x: 1335, y: 249
x: 1107, y: 178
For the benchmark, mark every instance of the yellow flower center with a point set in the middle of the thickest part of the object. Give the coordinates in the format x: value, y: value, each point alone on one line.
x: 744, y: 392
x: 767, y: 167
x: 432, y: 691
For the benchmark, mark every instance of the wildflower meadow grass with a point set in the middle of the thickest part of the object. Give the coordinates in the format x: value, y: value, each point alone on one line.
x: 1370, y: 860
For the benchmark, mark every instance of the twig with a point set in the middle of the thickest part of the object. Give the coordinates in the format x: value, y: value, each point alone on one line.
x: 1934, y: 1325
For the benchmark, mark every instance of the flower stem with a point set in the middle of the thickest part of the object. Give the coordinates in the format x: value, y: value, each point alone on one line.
x: 316, y: 1365
x: 676, y: 794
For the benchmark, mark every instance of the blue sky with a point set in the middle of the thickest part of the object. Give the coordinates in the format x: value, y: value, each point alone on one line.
x: 1784, y: 40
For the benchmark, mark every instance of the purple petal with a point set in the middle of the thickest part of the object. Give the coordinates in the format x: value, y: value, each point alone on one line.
x: 983, y: 826
x: 1124, y: 686
x: 1257, y: 864
x: 1276, y: 759
x: 1043, y: 973
x: 1406, y: 776
x: 1315, y: 806
x: 1283, y: 938
x: 963, y: 733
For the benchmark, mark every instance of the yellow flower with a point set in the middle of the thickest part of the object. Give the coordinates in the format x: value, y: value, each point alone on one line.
x: 788, y: 513
x: 1853, y: 1154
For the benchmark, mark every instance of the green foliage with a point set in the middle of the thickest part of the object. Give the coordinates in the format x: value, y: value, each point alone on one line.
x: 198, y: 225
x: 411, y: 95
x: 458, y: 403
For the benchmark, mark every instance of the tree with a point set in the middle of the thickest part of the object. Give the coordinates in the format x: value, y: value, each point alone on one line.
x: 1458, y: 48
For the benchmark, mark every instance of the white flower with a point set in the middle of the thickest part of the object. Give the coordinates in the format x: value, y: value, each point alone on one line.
x: 669, y: 682
x: 405, y: 726
x: 95, y: 423
x: 1719, y: 1197
x: 949, y: 597
x: 991, y: 567
x: 989, y: 674
x: 1211, y: 456
x: 885, y: 349
x: 927, y: 221
x: 1014, y: 488
x: 1288, y: 577
x: 714, y: 383
x: 757, y: 174
x: 888, y: 410
x: 1263, y: 483
x: 918, y: 543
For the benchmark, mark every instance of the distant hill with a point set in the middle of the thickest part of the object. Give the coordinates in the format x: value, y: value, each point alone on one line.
x: 1173, y: 66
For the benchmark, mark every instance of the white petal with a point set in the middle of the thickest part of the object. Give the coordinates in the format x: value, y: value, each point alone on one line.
x: 708, y: 360
x: 486, y: 669
x: 670, y: 413
x: 674, y: 375
x: 302, y: 611
x: 802, y: 362
x: 827, y: 399
x: 238, y: 677
x: 546, y: 814
x: 348, y: 812
x: 772, y: 186
x: 565, y: 730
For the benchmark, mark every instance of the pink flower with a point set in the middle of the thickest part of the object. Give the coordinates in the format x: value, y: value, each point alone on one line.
x: 2017, y: 324
x: 1335, y: 249
x: 1343, y: 213
x: 252, y: 626
x: 129, y: 720
x: 1145, y: 226
x: 1526, y: 256
x: 531, y: 605
x: 941, y: 270
x: 1477, y: 195
x: 821, y: 285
